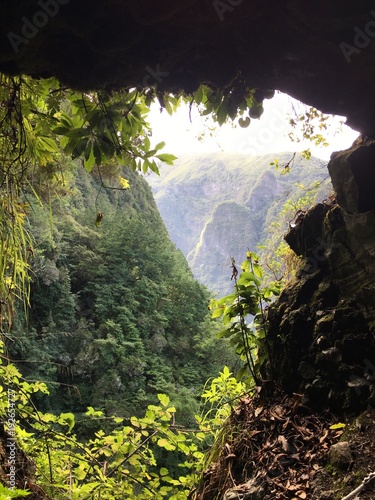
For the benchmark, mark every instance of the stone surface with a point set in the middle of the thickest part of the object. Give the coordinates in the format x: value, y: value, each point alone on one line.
x: 322, y: 328
x: 353, y: 177
x: 340, y: 456
x: 306, y: 237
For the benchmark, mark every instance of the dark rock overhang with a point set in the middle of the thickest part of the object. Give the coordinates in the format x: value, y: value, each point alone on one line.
x: 320, y: 52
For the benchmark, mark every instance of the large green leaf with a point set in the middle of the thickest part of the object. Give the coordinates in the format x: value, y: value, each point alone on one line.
x: 247, y: 278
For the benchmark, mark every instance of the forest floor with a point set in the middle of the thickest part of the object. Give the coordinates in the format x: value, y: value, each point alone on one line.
x: 275, y: 448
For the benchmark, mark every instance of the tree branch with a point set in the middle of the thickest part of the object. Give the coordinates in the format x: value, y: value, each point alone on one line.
x: 364, y: 483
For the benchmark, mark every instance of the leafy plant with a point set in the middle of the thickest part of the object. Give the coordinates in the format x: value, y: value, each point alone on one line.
x: 235, y: 101
x: 281, y: 264
x: 249, y: 337
x: 309, y: 124
x: 121, y: 463
x: 40, y: 121
x: 8, y: 494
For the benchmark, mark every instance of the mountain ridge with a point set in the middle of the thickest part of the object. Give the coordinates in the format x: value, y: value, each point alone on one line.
x: 217, y: 205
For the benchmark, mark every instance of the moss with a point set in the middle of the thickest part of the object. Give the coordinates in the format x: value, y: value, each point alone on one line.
x: 331, y: 470
x: 345, y: 484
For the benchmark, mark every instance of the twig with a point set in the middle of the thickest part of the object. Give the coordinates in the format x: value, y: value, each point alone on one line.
x: 364, y: 483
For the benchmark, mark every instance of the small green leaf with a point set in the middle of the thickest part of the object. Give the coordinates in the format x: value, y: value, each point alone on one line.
x: 222, y: 113
x: 123, y: 182
x: 164, y: 443
x: 48, y: 144
x: 247, y: 278
x: 160, y: 145
x: 91, y: 412
x: 199, y: 94
x: 219, y: 311
x: 153, y: 167
x: 164, y: 471
x: 89, y: 160
x: 164, y: 399
x: 66, y: 419
x: 60, y: 130
x: 80, y: 148
x: 167, y: 158
x: 97, y: 154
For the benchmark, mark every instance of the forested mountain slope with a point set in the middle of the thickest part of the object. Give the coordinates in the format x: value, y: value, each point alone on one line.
x: 116, y: 315
x: 216, y: 206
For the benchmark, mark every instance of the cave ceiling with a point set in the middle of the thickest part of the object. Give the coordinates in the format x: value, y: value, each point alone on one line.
x: 320, y: 52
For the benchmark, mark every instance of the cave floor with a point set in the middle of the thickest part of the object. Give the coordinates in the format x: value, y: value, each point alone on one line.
x: 273, y: 447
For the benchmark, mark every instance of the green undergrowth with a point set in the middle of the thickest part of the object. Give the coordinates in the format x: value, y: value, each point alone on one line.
x: 126, y: 462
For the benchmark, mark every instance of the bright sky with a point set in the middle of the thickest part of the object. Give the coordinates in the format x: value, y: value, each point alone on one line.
x: 269, y: 134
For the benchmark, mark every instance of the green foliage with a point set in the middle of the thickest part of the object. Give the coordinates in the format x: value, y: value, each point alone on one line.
x: 280, y: 261
x: 228, y: 104
x: 117, y: 465
x: 96, y: 126
x: 221, y: 394
x: 121, y: 463
x: 15, y: 242
x: 40, y: 121
x: 309, y: 124
x: 116, y: 315
x: 247, y: 300
x: 14, y: 237
x: 8, y: 494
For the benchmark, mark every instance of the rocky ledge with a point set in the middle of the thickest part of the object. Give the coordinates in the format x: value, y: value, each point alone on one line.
x: 322, y: 328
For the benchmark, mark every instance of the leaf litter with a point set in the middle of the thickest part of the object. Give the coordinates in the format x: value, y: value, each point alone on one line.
x: 276, y: 449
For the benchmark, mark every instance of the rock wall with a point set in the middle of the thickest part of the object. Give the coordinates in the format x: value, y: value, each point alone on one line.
x: 322, y: 328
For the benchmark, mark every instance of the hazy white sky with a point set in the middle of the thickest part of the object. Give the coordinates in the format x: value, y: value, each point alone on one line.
x: 269, y: 134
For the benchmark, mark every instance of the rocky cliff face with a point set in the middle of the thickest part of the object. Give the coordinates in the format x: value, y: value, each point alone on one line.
x: 217, y: 206
x: 322, y: 328
x: 228, y: 233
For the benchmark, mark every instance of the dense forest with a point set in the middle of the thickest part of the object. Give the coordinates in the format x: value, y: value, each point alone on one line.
x: 116, y: 316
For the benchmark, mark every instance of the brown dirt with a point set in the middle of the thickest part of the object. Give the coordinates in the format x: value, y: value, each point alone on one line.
x: 278, y: 448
